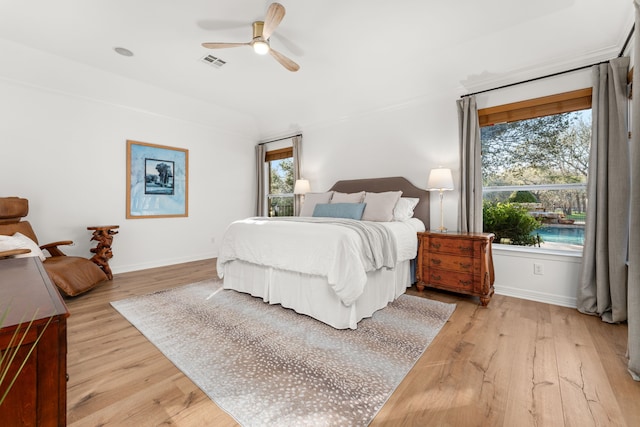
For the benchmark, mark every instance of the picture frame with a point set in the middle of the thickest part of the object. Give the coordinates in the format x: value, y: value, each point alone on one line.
x: 157, y: 181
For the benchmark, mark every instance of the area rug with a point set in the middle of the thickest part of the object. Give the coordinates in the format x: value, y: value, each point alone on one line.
x: 267, y: 365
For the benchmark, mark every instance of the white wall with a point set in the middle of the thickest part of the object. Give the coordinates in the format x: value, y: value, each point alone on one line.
x: 406, y: 140
x: 63, y: 136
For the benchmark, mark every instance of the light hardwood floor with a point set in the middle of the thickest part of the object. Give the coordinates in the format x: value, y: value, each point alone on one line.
x: 514, y: 363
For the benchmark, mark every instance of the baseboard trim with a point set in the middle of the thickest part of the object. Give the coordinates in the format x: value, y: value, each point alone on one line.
x: 160, y: 263
x: 561, y: 300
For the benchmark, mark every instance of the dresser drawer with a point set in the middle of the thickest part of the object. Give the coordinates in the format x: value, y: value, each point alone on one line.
x: 452, y: 262
x: 451, y: 246
x: 451, y: 280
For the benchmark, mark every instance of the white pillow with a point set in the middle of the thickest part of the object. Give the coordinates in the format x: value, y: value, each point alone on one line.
x: 311, y: 200
x: 379, y: 206
x: 20, y: 241
x: 347, y: 197
x: 404, y: 208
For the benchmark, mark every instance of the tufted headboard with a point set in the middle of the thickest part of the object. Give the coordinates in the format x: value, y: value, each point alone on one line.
x: 378, y: 185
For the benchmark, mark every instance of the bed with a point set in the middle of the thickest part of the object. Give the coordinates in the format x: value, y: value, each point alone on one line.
x: 324, y: 267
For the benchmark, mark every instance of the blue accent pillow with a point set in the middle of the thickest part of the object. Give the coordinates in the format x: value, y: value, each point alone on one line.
x: 339, y: 210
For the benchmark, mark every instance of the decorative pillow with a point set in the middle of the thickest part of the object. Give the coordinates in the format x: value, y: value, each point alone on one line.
x: 347, y: 197
x: 311, y: 200
x: 380, y: 206
x: 339, y: 210
x: 20, y: 241
x: 404, y: 208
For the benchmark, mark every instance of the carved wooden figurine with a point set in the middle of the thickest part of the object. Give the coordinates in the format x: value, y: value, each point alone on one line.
x: 104, y: 236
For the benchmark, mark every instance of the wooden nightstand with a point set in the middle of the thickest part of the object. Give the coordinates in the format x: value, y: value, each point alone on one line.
x: 458, y: 262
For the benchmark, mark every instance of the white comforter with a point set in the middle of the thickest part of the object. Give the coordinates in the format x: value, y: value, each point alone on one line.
x: 341, y: 250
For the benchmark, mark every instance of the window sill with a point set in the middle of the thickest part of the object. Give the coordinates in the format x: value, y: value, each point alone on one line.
x: 535, y: 251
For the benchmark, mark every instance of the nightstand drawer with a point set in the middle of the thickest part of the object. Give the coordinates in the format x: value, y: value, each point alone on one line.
x: 450, y: 279
x: 452, y: 262
x: 451, y: 246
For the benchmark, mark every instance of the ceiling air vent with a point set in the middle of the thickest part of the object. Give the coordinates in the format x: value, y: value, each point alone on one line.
x: 213, y: 61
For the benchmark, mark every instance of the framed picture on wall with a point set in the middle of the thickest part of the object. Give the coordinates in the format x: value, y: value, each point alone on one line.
x: 157, y: 181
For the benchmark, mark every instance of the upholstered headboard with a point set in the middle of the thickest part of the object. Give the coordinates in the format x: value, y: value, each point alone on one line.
x: 378, y: 185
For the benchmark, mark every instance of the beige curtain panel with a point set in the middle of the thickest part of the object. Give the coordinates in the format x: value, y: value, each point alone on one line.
x: 260, y: 181
x: 470, y: 199
x: 603, y: 283
x: 297, y: 173
x: 633, y: 279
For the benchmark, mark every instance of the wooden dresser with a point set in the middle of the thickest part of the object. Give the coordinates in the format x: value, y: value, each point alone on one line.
x: 39, y: 396
x: 458, y: 262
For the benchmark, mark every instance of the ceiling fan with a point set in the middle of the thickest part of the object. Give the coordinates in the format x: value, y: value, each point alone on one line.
x: 262, y: 30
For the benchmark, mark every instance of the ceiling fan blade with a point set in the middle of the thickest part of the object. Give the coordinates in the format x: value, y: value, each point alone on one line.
x: 223, y: 45
x: 284, y: 61
x: 275, y: 13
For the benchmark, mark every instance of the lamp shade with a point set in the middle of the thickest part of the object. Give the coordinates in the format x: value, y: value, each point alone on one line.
x: 440, y: 179
x: 302, y: 187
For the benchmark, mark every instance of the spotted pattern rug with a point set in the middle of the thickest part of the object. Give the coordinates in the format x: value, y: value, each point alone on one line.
x: 266, y: 365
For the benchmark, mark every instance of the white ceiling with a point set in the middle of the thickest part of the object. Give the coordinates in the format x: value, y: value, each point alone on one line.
x: 355, y: 56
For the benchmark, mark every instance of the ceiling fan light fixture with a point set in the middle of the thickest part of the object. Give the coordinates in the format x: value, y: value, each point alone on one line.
x: 262, y: 31
x: 261, y: 47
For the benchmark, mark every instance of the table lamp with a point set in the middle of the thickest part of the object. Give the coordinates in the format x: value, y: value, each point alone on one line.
x: 440, y: 179
x: 301, y: 187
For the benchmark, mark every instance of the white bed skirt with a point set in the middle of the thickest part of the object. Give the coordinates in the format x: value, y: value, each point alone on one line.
x: 312, y: 295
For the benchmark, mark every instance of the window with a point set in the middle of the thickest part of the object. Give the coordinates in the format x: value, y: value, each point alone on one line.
x: 535, y: 158
x: 280, y: 196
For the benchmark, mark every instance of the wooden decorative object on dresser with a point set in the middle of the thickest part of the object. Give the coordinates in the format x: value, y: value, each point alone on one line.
x: 458, y: 262
x: 39, y: 395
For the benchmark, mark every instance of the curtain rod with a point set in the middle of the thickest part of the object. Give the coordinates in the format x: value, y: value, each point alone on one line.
x: 626, y: 43
x: 279, y: 139
x: 534, y: 79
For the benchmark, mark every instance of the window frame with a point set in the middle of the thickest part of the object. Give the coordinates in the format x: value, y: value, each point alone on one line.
x: 269, y: 156
x: 278, y: 154
x: 565, y: 102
